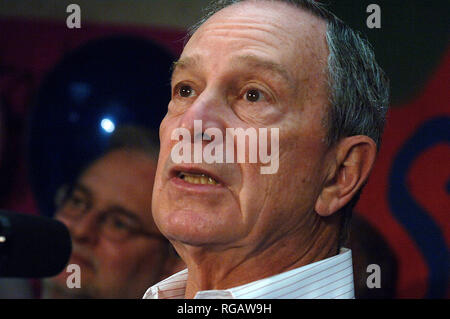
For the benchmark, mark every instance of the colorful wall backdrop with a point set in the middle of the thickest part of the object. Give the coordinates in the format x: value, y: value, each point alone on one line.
x: 406, y: 200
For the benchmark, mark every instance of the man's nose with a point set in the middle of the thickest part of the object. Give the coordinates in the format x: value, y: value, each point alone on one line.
x: 209, y: 108
x: 83, y: 229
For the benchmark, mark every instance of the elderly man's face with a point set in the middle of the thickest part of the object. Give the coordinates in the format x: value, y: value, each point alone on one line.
x: 249, y: 66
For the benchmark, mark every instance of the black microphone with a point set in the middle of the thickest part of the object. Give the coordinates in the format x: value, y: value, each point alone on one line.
x: 32, y: 246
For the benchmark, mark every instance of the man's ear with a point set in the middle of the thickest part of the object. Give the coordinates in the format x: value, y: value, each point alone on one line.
x: 354, y: 157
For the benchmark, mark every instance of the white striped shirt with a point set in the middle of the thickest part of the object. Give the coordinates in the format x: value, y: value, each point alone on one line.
x: 330, y: 278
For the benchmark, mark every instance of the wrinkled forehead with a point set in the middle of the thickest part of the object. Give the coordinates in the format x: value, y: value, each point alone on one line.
x: 276, y: 24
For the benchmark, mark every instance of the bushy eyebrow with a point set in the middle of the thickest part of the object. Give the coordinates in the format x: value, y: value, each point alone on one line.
x: 260, y: 64
x: 184, y: 63
x: 254, y: 62
x: 80, y: 187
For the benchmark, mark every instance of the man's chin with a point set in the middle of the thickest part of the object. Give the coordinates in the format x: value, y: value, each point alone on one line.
x: 60, y: 280
x: 200, y: 239
x: 53, y: 288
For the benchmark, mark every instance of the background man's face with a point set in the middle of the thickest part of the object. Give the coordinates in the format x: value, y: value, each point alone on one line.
x: 119, y: 261
x: 250, y: 65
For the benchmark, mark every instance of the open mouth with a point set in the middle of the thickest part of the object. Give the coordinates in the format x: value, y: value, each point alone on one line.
x: 197, y: 178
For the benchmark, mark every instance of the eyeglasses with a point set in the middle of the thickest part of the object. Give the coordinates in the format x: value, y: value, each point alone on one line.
x: 114, y: 223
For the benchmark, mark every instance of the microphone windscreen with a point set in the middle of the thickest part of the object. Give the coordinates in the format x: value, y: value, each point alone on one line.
x: 32, y: 246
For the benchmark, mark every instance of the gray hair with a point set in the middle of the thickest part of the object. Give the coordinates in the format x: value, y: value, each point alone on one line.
x: 135, y: 138
x: 359, y: 88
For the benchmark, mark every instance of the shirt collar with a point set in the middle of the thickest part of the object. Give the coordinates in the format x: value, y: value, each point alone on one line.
x: 326, y: 279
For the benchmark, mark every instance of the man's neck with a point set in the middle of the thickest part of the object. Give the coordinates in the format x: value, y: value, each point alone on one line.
x: 218, y: 270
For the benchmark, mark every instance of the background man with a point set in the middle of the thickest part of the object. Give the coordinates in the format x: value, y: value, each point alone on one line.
x: 108, y: 212
x: 293, y: 66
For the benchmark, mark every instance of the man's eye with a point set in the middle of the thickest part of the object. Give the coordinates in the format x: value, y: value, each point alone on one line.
x: 186, y: 91
x: 253, y: 95
x: 117, y: 223
x: 114, y: 222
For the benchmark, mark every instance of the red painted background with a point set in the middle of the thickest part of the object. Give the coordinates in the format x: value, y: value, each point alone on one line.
x: 29, y: 49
